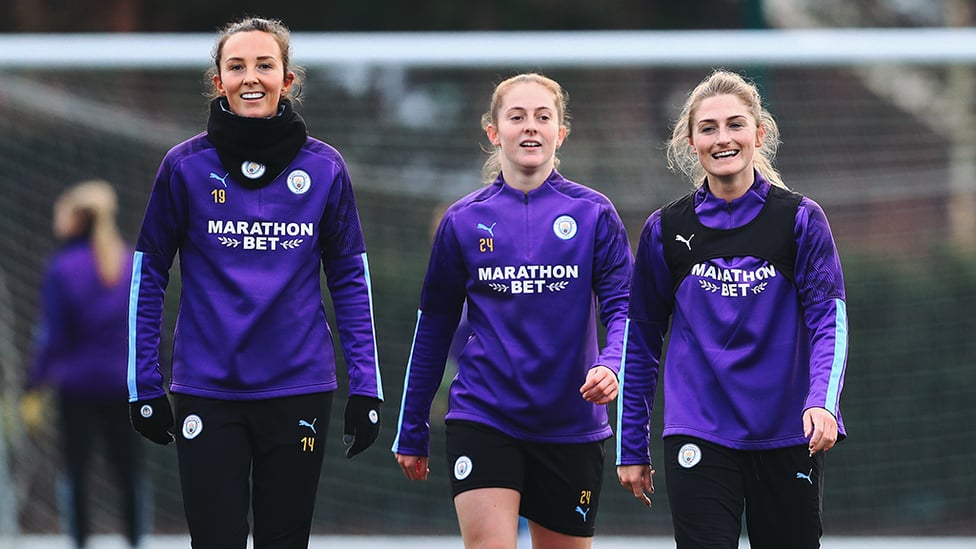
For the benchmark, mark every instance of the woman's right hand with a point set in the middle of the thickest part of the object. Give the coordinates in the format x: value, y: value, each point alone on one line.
x: 637, y: 479
x: 413, y: 467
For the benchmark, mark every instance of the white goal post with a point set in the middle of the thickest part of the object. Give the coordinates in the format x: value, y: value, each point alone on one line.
x: 821, y: 47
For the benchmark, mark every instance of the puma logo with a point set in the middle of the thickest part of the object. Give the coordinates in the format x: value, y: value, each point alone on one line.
x: 218, y: 178
x: 489, y: 230
x: 582, y: 512
x: 806, y: 476
x: 303, y: 423
x: 686, y: 241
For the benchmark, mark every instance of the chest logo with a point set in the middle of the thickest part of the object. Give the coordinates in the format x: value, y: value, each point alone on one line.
x: 490, y: 230
x: 299, y: 182
x: 564, y: 227
x: 683, y: 240
x: 252, y: 169
x: 223, y: 180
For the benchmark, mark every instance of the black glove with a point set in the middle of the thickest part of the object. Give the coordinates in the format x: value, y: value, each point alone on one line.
x: 153, y: 419
x: 362, y: 423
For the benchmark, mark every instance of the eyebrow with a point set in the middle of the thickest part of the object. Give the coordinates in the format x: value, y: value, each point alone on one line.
x: 712, y: 120
x: 259, y: 58
x: 536, y: 109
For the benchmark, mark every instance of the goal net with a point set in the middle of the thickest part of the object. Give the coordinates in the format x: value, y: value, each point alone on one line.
x: 879, y: 127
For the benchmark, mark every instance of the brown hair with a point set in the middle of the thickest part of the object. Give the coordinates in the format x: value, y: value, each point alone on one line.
x: 275, y: 28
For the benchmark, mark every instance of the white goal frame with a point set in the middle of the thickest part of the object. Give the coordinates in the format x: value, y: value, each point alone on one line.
x: 819, y: 47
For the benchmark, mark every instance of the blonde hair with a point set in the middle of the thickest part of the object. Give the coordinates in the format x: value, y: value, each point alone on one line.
x: 94, y: 205
x: 493, y: 164
x: 682, y: 159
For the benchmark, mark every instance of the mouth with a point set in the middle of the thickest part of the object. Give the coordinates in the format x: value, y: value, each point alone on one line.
x: 530, y: 144
x: 725, y: 154
x: 252, y: 95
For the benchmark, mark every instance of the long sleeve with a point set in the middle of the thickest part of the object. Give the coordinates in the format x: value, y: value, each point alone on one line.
x: 442, y: 299
x: 611, y: 282
x: 158, y: 243
x: 650, y: 308
x: 821, y: 285
x: 347, y: 275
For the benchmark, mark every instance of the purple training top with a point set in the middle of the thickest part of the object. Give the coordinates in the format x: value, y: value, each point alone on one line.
x: 535, y: 269
x: 252, y: 323
x: 749, y: 349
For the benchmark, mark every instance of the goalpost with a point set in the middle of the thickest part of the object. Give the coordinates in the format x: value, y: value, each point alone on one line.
x: 878, y: 125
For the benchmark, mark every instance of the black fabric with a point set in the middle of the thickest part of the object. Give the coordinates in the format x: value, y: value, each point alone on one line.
x: 779, y: 490
x: 362, y: 423
x: 273, y: 142
x: 769, y: 236
x: 153, y: 419
x: 263, y: 456
x: 84, y: 421
x: 560, y: 484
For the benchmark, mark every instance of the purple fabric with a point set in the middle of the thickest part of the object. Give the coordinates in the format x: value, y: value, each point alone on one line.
x: 536, y: 271
x: 252, y: 323
x: 81, y: 337
x: 744, y: 359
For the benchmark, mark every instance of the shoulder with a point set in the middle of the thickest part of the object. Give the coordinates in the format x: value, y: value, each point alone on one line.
x: 322, y: 155
x: 578, y: 191
x: 478, y: 196
x: 190, y: 147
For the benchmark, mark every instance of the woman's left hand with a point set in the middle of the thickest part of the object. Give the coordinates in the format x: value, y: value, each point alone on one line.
x: 820, y: 426
x: 600, y: 386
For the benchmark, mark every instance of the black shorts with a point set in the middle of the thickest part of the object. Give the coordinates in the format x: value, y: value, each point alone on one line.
x: 709, y: 487
x: 559, y: 483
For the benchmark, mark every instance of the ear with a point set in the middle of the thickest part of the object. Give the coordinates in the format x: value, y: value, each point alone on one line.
x: 561, y: 136
x: 219, y: 85
x: 492, y: 132
x: 760, y: 135
x: 287, y: 82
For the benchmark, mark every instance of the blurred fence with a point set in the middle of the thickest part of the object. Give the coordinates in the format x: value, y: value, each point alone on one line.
x: 877, y: 127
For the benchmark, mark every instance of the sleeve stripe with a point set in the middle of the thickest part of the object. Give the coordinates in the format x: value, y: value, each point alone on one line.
x: 622, y: 377
x: 372, y: 327
x: 840, y: 357
x: 406, y: 379
x: 133, y: 319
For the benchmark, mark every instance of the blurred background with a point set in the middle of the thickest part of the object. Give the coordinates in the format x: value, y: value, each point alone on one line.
x: 888, y: 149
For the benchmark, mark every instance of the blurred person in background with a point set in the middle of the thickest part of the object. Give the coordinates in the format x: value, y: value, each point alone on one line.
x: 255, y: 208
x: 748, y: 277
x: 535, y: 257
x: 81, y: 354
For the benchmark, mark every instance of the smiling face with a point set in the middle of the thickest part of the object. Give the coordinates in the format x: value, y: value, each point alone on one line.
x: 724, y: 135
x: 528, y: 129
x: 252, y: 75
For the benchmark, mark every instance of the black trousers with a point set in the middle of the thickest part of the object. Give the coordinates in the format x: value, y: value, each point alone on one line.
x: 85, y: 423
x: 710, y: 486
x: 259, y: 455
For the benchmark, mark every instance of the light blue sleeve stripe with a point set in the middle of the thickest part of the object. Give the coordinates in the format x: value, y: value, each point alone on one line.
x: 620, y: 390
x: 406, y: 379
x: 840, y: 357
x: 372, y: 327
x: 133, y: 316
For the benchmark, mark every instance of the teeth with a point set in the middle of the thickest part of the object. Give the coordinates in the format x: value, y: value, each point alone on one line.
x: 254, y: 95
x: 531, y: 144
x: 725, y: 154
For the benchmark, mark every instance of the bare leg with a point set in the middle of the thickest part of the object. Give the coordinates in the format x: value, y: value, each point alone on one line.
x: 488, y: 518
x: 544, y: 538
